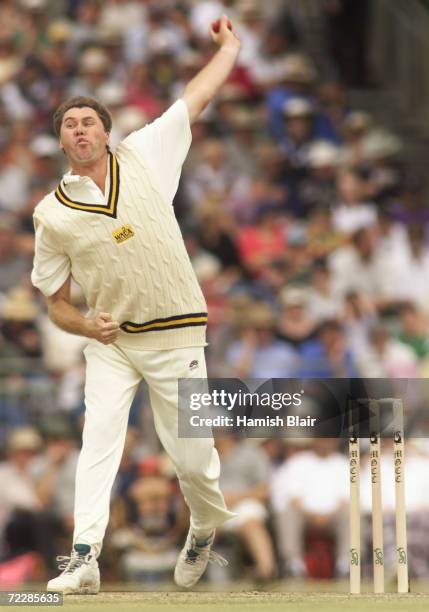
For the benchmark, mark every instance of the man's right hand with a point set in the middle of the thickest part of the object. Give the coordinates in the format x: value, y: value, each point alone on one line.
x: 224, y: 34
x: 71, y: 320
x: 103, y: 328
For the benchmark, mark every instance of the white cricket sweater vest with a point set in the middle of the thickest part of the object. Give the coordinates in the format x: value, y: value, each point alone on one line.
x: 130, y: 259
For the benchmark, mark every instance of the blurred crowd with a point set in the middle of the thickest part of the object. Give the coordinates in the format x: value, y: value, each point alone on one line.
x: 308, y: 232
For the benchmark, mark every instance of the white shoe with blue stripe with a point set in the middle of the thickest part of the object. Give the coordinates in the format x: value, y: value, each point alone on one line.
x: 193, y: 560
x: 80, y: 575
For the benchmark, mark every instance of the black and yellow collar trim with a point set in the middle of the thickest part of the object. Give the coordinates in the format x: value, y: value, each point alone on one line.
x: 109, y: 210
x: 185, y: 320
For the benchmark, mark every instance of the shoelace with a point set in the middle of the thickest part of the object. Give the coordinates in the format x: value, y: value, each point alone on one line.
x: 214, y: 557
x: 69, y: 564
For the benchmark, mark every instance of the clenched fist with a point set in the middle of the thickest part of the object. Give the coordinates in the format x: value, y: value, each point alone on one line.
x: 103, y: 328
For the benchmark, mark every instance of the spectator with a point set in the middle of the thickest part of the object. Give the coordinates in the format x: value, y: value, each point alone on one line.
x: 84, y: 30
x: 295, y: 80
x: 356, y: 126
x: 93, y: 71
x: 334, y: 108
x: 296, y: 325
x: 318, y: 190
x: 277, y: 42
x: 359, y: 316
x: 328, y: 355
x: 412, y: 279
x: 298, y: 131
x: 20, y: 506
x: 310, y: 490
x: 270, y: 185
x: 323, y: 302
x: 352, y: 213
x: 142, y: 93
x: 354, y: 266
x: 323, y: 239
x: 18, y: 328
x: 207, y: 11
x: 218, y: 234
x: 53, y: 473
x: 244, y: 479
x: 251, y: 28
x: 257, y: 353
x: 212, y: 176
x: 119, y: 14
x: 45, y: 162
x: 380, y: 153
x: 148, y: 544
x: 386, y: 357
x: 13, y: 180
x: 262, y: 243
x: 414, y: 330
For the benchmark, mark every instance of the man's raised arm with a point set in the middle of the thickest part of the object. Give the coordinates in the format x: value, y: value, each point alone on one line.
x: 204, y: 86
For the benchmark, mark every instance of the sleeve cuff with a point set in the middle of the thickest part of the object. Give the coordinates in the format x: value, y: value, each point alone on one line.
x: 48, y: 286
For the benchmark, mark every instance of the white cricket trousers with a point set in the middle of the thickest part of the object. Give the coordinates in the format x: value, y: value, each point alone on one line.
x: 112, y: 378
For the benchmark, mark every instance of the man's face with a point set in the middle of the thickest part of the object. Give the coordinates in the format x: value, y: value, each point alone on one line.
x: 82, y: 136
x: 299, y: 128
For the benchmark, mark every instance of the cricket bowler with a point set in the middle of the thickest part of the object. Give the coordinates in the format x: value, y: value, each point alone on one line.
x: 110, y: 225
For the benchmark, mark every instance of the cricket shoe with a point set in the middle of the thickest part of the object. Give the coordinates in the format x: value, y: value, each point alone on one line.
x: 193, y: 560
x: 80, y: 575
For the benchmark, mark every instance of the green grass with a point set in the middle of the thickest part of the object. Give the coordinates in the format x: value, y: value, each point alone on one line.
x: 246, y: 602
x: 286, y: 597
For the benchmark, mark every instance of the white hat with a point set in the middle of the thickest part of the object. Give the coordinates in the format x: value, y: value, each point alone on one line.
x: 44, y: 146
x: 160, y: 43
x: 33, y: 4
x: 130, y: 119
x: 323, y: 153
x: 297, y: 68
x: 93, y: 59
x: 111, y: 94
x: 59, y: 30
x: 357, y: 120
x: 24, y: 438
x: 380, y: 143
x: 206, y: 267
x: 298, y: 107
x: 293, y: 296
x: 9, y: 69
x: 19, y: 305
x: 249, y: 8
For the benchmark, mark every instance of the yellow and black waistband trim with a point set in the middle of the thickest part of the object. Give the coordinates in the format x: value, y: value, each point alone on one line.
x: 111, y: 209
x: 186, y: 320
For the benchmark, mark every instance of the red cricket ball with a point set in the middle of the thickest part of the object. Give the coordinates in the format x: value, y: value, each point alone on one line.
x: 216, y: 26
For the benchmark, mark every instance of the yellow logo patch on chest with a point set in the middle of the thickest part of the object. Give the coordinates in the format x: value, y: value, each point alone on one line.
x: 123, y: 233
